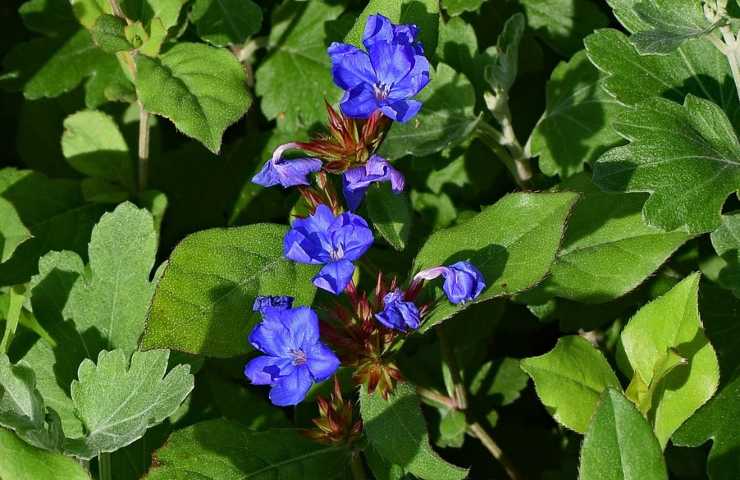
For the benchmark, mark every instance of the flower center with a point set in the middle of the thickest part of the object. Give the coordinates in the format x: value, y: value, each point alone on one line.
x: 298, y: 356
x: 337, y: 253
x: 381, y: 91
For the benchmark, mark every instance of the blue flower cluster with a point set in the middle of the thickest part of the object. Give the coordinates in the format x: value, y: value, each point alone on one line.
x: 380, y: 80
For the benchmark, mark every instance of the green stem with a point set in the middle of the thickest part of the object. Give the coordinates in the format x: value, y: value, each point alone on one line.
x: 459, y: 393
x: 480, y: 433
x: 12, y: 317
x: 143, y: 147
x: 358, y: 469
x: 436, y: 399
x: 104, y: 467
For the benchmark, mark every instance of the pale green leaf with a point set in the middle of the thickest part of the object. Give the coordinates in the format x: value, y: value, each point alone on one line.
x: 672, y: 323
x: 12, y: 230
x: 117, y: 400
x: 619, y: 444
x: 203, y: 304
x: 21, y: 461
x: 94, y: 146
x: 512, y: 242
x: 224, y: 450
x: 296, y: 76
x: 201, y: 89
x: 225, y: 22
x: 570, y: 379
x: 687, y: 157
x: 390, y: 213
x: 88, y: 11
x: 575, y: 128
x: 396, y: 429
x: 671, y: 22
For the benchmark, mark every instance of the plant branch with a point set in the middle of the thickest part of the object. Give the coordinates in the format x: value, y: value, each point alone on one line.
x: 480, y: 433
x: 459, y: 392
x: 12, y: 317
x: 143, y: 147
x: 729, y: 44
x: 498, y: 104
x: 104, y: 466
x: 435, y: 398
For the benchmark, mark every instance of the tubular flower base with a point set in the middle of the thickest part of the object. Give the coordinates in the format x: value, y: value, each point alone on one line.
x: 336, y: 424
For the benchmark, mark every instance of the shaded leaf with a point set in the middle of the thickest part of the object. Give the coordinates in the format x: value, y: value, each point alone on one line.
x: 12, y: 230
x: 390, y: 213
x: 564, y: 23
x: 726, y: 242
x: 456, y: 7
x: 21, y: 461
x: 224, y: 22
x: 671, y: 22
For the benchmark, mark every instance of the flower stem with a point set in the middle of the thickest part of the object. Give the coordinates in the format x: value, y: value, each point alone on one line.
x: 435, y: 398
x: 104, y: 467
x: 480, y: 433
x: 358, y: 469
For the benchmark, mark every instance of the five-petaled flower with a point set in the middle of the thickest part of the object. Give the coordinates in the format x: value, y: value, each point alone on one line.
x: 398, y: 313
x: 294, y: 357
x: 386, y: 76
x: 286, y: 172
x: 356, y: 181
x: 463, y: 281
x: 334, y: 241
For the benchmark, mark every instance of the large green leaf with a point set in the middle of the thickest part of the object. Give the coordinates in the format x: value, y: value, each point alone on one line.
x: 687, y: 157
x: 203, y: 304
x: 670, y: 325
x: 224, y: 450
x: 564, y: 23
x: 570, y: 379
x: 21, y: 461
x: 396, y: 429
x: 608, y: 250
x: 297, y: 74
x: 575, y: 128
x: 726, y: 242
x: 619, y: 444
x: 512, y: 242
x: 446, y: 118
x: 717, y: 421
x: 671, y: 22
x: 201, y: 89
x: 224, y: 22
x: 12, y: 230
x: 117, y: 400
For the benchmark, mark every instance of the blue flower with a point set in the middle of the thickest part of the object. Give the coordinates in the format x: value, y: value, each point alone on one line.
x: 384, y: 78
x: 279, y: 302
x: 356, y: 181
x: 398, y: 313
x: 335, y: 241
x: 287, y: 173
x: 463, y: 281
x: 294, y: 357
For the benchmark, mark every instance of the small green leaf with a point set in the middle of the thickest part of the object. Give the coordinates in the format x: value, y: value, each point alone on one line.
x: 690, y: 176
x: 512, y: 242
x: 12, y: 230
x: 396, y: 429
x: 726, y: 242
x: 108, y: 33
x: 88, y: 11
x: 224, y: 450
x: 717, y: 421
x: 390, y: 213
x: 225, y: 22
x: 501, y: 382
x: 201, y: 89
x: 49, y: 17
x: 21, y: 405
x: 117, y: 401
x: 564, y: 23
x: 109, y: 83
x: 575, y: 128
x: 298, y: 71
x: 457, y: 7
x: 619, y: 444
x: 671, y: 22
x: 570, y: 380
x: 671, y: 322
x: 502, y: 72
x: 21, y: 461
x: 146, y: 10
x: 94, y: 146
x: 203, y: 304
x: 447, y: 117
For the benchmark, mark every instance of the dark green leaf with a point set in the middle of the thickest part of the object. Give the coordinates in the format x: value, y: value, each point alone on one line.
x: 225, y: 22
x: 720, y: 312
x: 390, y: 213
x: 564, y: 23
x: 12, y: 230
x: 502, y: 71
x: 726, y: 242
x: 671, y: 22
x: 108, y: 34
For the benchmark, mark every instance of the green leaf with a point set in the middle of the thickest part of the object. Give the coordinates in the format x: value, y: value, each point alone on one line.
x: 564, y: 23
x: 502, y: 72
x: 447, y: 117
x: 108, y: 34
x: 88, y: 11
x: 726, y: 242
x: 697, y: 67
x: 108, y: 83
x: 619, y: 444
x: 575, y: 128
x: 719, y: 314
x: 225, y: 22
x: 21, y: 405
x: 608, y: 250
x: 512, y: 242
x: 457, y: 7
x: 167, y: 11
x: 388, y: 8
x: 201, y: 89
x: 12, y: 230
x: 671, y: 22
x: 117, y: 401
x: 297, y: 74
x: 716, y: 421
x: 49, y: 67
x: 203, y: 304
x: 570, y: 379
x: 501, y: 382
x: 390, y: 213
x: 690, y: 176
x: 49, y: 17
x: 224, y: 450
x: 396, y: 429
x: 94, y: 146
x: 21, y: 461
x: 672, y: 323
